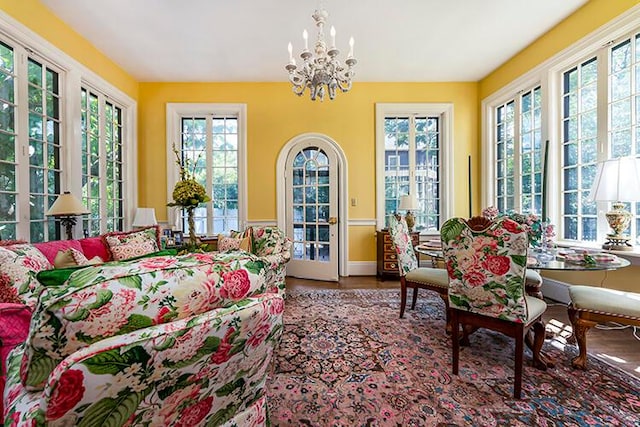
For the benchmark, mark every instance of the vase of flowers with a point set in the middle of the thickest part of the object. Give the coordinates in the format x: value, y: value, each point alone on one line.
x: 188, y: 194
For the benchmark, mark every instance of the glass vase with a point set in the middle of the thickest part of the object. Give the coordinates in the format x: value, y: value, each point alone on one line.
x: 191, y: 221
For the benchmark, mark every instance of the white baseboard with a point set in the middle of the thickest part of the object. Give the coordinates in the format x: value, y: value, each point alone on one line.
x: 362, y: 268
x: 556, y: 290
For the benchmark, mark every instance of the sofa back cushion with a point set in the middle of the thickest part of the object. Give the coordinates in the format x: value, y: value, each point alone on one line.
x: 19, y: 264
x: 114, y: 299
x: 51, y: 249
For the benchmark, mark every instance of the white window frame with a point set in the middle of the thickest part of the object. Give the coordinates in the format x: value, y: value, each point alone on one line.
x: 73, y: 75
x: 445, y: 113
x: 548, y: 75
x: 175, y: 113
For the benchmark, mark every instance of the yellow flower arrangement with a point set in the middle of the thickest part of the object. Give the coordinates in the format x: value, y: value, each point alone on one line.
x: 188, y: 192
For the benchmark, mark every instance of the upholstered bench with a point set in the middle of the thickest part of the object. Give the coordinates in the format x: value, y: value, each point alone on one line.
x: 590, y: 306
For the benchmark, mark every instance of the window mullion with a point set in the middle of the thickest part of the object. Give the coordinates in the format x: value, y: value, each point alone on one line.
x: 209, y: 174
x: 603, y: 120
x: 517, y: 155
x: 412, y: 155
x: 23, y: 229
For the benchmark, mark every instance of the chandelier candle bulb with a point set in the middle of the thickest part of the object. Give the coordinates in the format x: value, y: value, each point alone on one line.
x: 333, y: 37
x: 351, y: 43
x: 305, y: 36
x: 290, y: 48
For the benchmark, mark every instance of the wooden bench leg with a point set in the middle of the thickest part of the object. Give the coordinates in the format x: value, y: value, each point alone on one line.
x: 580, y: 328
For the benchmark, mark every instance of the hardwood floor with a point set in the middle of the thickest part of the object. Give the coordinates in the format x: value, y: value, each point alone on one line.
x: 617, y: 347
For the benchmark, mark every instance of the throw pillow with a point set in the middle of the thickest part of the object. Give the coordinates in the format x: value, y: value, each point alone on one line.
x: 73, y: 257
x: 133, y: 243
x: 246, y: 234
x: 125, y: 251
x: 20, y: 263
x: 233, y: 243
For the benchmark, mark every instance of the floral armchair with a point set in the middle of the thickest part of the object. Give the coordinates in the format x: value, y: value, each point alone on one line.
x: 486, y: 262
x: 171, y: 341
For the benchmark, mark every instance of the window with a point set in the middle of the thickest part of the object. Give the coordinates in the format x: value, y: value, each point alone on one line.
x: 102, y: 163
x: 579, y: 150
x: 30, y: 165
x: 212, y: 143
x: 518, y: 153
x: 48, y: 123
x: 586, y: 102
x: 413, y: 151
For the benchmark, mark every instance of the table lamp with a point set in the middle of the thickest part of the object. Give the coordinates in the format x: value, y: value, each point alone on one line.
x: 409, y: 203
x: 144, y: 217
x: 66, y: 208
x: 617, y: 180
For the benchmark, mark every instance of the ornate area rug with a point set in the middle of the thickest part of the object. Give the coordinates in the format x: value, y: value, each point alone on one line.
x: 346, y: 359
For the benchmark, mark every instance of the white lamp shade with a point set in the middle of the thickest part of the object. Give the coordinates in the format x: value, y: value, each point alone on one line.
x: 144, y: 217
x: 67, y: 205
x: 617, y: 180
x: 409, y: 203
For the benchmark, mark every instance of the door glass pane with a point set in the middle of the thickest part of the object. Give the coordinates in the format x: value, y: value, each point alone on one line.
x: 310, y: 205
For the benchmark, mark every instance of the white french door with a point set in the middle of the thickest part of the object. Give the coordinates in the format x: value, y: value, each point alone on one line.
x: 312, y: 210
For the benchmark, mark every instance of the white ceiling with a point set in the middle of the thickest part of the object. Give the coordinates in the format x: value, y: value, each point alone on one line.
x: 246, y: 40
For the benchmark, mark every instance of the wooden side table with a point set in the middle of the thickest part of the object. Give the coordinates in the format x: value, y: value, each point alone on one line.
x: 387, y: 259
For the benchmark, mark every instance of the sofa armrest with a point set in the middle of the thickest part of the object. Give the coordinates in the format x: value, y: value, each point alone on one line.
x: 205, y: 364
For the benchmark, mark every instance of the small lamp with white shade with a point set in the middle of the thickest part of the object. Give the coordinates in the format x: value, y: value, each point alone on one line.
x: 618, y: 181
x: 409, y: 203
x: 66, y: 208
x: 144, y: 217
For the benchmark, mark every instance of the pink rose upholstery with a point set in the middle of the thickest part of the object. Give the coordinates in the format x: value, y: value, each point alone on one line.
x: 486, y: 261
x: 163, y: 341
x: 19, y: 264
x: 274, y: 248
x: 412, y: 276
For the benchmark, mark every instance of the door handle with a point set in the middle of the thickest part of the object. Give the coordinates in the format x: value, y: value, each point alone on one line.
x: 333, y: 220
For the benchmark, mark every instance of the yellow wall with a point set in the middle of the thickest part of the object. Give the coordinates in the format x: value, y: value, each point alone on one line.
x: 39, y: 19
x: 275, y: 115
x: 585, y: 20
x: 591, y: 16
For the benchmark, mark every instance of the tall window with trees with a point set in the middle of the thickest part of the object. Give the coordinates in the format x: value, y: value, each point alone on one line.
x: 30, y: 163
x: 102, y: 163
x: 412, y: 166
x: 212, y: 144
x: 518, y: 153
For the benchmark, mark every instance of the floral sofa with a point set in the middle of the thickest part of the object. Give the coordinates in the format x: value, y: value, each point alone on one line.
x: 167, y: 340
x: 270, y: 249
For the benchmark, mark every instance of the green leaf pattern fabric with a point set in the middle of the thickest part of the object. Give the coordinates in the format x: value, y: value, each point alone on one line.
x: 274, y: 249
x: 206, y: 369
x: 487, y: 268
x: 119, y: 297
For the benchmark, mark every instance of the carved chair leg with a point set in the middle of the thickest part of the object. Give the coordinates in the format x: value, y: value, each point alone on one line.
x: 403, y: 296
x: 455, y: 344
x: 445, y: 298
x: 517, y: 381
x: 415, y: 298
x: 539, y: 333
x: 580, y: 329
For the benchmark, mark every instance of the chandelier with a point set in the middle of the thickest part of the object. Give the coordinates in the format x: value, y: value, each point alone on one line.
x: 321, y: 70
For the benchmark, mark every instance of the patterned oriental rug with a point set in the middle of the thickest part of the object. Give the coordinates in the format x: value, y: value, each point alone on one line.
x: 346, y: 359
